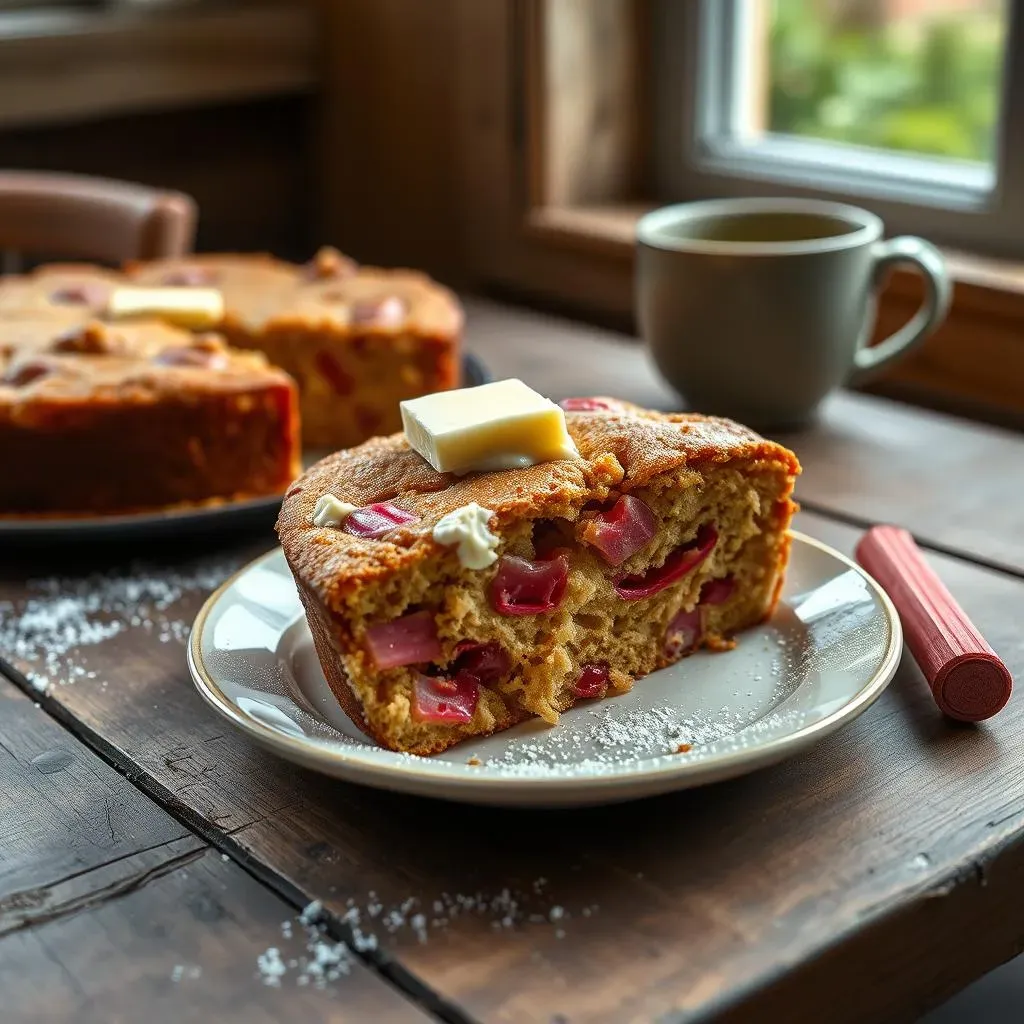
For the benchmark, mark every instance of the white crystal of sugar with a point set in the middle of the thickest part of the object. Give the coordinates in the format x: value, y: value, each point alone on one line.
x: 271, y: 967
x: 324, y: 961
x: 311, y: 912
x: 327, y: 962
x: 49, y: 629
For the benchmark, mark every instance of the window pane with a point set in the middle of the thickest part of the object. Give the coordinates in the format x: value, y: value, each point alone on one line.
x: 922, y: 76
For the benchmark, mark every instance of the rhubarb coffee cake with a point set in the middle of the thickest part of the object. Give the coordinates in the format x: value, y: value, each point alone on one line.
x: 100, y: 418
x: 357, y: 340
x: 506, y: 558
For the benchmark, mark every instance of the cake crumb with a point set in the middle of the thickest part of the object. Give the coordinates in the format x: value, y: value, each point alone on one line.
x: 684, y: 748
x: 718, y: 644
x: 474, y: 760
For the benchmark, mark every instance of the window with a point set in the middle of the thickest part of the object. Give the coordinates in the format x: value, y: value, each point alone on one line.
x: 912, y: 107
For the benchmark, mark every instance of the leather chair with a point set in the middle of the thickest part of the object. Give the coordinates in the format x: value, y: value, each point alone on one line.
x: 96, y: 219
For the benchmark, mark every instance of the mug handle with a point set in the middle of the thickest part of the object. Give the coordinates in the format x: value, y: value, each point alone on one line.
x: 938, y: 292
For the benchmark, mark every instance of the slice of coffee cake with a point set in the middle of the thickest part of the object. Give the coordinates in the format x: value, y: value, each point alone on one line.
x: 444, y: 606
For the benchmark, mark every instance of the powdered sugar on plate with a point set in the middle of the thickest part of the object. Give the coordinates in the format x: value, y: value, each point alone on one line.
x: 47, y: 635
x: 610, y: 733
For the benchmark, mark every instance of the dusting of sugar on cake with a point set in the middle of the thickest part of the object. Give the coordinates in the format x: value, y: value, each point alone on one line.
x: 47, y: 634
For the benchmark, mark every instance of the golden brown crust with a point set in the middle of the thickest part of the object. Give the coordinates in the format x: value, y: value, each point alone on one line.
x: 262, y: 293
x: 118, y: 418
x: 133, y: 361
x: 624, y: 449
x: 357, y: 340
x: 58, y: 290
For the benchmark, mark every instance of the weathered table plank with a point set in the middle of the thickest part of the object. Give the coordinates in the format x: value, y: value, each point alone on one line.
x: 112, y: 910
x: 185, y: 945
x: 71, y: 828
x: 958, y: 486
x: 665, y: 908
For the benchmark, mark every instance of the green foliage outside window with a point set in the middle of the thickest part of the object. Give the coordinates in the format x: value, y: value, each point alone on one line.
x: 928, y: 87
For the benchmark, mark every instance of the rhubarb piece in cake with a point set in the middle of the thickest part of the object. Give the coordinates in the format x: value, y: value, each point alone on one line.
x: 98, y: 418
x: 357, y: 340
x: 479, y: 600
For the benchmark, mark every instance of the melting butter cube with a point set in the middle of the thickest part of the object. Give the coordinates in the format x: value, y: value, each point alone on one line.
x: 504, y: 425
x: 331, y: 510
x: 467, y: 528
x: 194, y: 308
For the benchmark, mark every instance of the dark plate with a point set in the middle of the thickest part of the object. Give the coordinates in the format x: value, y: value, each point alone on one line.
x: 240, y: 515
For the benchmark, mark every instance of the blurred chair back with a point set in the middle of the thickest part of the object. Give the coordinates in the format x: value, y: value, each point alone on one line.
x: 73, y: 216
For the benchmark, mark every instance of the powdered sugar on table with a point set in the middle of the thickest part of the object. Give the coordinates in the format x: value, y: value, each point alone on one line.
x: 365, y: 924
x: 47, y: 635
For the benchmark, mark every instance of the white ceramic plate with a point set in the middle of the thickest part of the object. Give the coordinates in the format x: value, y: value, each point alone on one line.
x: 826, y: 654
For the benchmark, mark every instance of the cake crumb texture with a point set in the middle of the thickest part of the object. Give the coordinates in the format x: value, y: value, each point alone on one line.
x: 720, y: 501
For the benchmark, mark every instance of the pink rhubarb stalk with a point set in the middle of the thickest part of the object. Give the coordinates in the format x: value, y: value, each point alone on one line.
x: 443, y: 701
x: 375, y: 520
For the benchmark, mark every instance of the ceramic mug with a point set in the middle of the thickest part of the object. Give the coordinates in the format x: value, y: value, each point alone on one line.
x: 757, y: 308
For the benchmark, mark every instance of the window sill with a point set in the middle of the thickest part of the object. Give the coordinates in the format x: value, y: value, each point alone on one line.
x: 973, y: 364
x: 66, y: 65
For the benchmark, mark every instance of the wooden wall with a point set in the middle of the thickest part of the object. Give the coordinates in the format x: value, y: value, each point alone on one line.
x: 248, y: 165
x: 371, y: 161
x: 390, y: 144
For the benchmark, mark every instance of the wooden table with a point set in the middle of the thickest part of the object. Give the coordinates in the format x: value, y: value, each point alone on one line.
x: 149, y: 855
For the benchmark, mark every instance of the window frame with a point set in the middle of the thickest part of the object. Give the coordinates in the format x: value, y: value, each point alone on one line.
x: 572, y: 247
x: 696, y: 156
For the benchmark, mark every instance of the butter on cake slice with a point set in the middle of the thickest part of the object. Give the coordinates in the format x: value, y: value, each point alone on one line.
x: 445, y: 607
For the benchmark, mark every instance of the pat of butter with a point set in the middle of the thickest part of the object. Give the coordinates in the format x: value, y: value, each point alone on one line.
x: 331, y: 511
x: 504, y: 425
x: 467, y: 527
x: 195, y: 308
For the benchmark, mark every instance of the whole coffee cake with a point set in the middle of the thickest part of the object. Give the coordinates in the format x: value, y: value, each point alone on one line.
x: 357, y: 340
x: 100, y: 418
